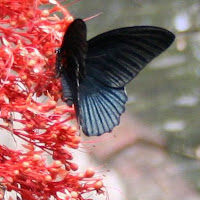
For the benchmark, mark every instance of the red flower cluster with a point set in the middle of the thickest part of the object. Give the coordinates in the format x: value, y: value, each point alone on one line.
x: 29, y: 108
x: 30, y: 176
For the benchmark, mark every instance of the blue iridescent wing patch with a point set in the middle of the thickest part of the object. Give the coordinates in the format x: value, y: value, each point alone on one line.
x: 100, y: 107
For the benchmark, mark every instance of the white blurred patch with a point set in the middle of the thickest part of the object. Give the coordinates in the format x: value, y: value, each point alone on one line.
x: 173, y: 126
x: 187, y: 101
x: 182, y: 21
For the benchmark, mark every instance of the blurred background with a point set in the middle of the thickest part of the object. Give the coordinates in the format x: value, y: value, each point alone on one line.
x: 154, y: 153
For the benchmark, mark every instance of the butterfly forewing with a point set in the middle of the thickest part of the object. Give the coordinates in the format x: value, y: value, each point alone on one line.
x: 118, y: 56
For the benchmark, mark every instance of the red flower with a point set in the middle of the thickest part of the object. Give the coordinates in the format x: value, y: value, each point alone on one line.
x: 29, y: 95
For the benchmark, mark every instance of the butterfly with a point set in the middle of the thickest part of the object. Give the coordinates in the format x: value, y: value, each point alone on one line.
x: 94, y: 73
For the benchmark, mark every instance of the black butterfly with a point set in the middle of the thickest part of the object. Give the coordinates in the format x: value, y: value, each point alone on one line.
x: 95, y: 72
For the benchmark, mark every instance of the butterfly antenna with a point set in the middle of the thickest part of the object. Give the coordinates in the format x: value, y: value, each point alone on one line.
x: 93, y: 16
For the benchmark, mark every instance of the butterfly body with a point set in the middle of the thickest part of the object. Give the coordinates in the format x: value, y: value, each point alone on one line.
x: 71, y: 62
x: 95, y: 72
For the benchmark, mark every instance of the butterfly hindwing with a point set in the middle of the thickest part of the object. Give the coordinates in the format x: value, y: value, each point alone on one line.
x: 100, y: 107
x: 116, y: 57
